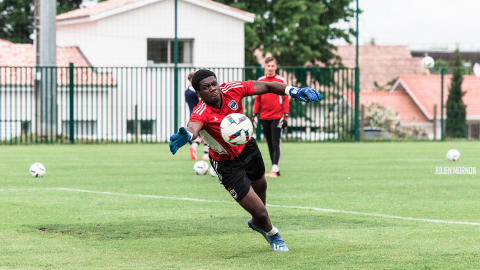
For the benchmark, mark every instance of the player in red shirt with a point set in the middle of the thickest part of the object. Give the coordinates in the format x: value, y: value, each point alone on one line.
x: 273, y: 115
x: 240, y: 168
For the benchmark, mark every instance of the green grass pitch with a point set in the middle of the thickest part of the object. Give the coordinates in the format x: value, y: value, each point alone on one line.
x: 90, y: 210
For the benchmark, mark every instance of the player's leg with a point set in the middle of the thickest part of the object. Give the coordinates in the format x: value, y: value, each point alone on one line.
x: 255, y: 169
x: 205, y: 151
x: 260, y: 188
x: 276, y: 138
x: 193, y: 148
x: 260, y: 221
x: 254, y: 205
x: 267, y: 133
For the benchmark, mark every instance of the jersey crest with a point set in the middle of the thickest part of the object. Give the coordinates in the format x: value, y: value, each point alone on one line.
x: 233, y: 105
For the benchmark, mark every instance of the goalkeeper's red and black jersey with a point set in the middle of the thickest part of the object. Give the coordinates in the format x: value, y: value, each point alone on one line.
x: 272, y: 106
x: 210, y: 117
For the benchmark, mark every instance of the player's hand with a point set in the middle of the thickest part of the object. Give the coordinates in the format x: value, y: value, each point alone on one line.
x: 179, y: 139
x: 255, y: 121
x: 283, y: 121
x: 305, y: 94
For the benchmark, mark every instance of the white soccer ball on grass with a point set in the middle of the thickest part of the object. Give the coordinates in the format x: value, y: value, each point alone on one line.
x: 453, y: 155
x: 213, y: 173
x: 428, y: 62
x: 37, y: 170
x: 200, y: 167
x: 236, y: 129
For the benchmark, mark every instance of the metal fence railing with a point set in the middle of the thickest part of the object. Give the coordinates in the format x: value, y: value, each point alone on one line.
x: 137, y: 104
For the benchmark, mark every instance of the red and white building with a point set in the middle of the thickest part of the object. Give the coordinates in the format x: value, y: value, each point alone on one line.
x: 413, y: 97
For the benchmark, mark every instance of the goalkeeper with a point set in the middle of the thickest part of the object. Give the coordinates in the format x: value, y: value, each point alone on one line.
x: 240, y: 168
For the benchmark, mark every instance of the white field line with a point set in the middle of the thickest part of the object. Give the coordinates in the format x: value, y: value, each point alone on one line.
x: 269, y: 205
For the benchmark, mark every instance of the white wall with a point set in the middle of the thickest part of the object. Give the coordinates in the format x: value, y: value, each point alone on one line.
x: 121, y: 40
x: 82, y: 35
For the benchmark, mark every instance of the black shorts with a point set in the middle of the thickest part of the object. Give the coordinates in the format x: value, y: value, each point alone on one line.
x: 235, y: 175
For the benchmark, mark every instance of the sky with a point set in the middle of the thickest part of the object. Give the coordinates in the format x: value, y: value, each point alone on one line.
x: 420, y: 24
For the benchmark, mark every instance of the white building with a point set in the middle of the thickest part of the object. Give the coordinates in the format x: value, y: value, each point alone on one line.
x: 122, y: 51
x: 140, y: 33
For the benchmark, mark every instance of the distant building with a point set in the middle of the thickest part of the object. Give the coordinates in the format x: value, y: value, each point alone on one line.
x: 20, y: 91
x: 140, y: 33
x: 380, y: 66
x: 413, y: 97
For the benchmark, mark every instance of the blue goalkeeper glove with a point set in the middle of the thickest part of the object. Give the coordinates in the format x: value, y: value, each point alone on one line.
x: 304, y: 94
x: 179, y: 139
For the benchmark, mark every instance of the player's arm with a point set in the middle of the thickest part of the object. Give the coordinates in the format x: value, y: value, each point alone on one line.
x: 303, y: 94
x: 184, y: 135
x: 194, y: 128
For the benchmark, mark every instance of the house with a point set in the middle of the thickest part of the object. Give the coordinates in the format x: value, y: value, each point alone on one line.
x: 140, y: 33
x: 380, y: 65
x: 413, y: 97
x: 23, y: 109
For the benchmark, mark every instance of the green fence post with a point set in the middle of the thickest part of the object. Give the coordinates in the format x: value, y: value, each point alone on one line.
x: 175, y: 71
x: 441, y: 110
x: 71, y: 122
x: 357, y: 104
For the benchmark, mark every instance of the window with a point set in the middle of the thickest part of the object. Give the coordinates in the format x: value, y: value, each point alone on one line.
x: 161, y: 51
x: 144, y: 127
x: 13, y: 128
x: 474, y: 131
x: 81, y: 127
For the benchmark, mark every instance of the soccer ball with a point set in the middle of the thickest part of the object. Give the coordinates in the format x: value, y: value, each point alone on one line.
x: 37, y: 170
x: 200, y: 167
x: 476, y: 69
x: 428, y: 62
x: 236, y: 129
x: 453, y: 155
x: 213, y: 173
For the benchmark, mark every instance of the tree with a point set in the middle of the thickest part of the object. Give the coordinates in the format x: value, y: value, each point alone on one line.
x: 16, y: 18
x: 295, y: 32
x: 456, y: 109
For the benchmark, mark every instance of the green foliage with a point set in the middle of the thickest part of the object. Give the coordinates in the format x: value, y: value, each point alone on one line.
x: 456, y: 109
x: 16, y: 18
x: 67, y: 5
x: 377, y: 115
x: 386, y: 87
x: 439, y: 63
x: 296, y: 32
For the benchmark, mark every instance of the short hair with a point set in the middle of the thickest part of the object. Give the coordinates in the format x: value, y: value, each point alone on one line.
x: 270, y: 59
x: 199, y: 76
x: 190, y: 75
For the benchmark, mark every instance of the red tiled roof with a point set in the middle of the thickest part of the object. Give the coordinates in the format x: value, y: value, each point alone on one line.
x: 111, y: 4
x: 87, y: 76
x: 16, y: 66
x: 400, y: 102
x: 21, y: 55
x: 380, y: 64
x: 427, y: 88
